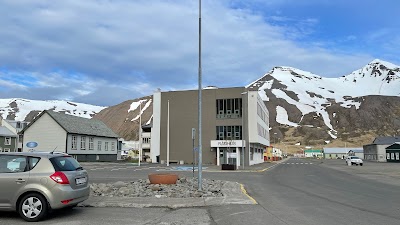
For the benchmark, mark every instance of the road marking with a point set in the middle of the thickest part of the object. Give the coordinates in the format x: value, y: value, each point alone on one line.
x: 245, y: 192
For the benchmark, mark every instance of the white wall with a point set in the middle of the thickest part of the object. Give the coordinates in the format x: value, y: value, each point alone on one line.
x: 156, y: 129
x: 254, y: 120
x: 96, y: 151
x: 47, y: 133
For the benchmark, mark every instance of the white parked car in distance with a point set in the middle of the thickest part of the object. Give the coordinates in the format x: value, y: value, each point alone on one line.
x: 351, y: 160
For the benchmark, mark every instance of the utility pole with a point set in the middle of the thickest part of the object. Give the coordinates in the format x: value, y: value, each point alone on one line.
x: 200, y: 87
x: 140, y: 131
x: 168, y: 135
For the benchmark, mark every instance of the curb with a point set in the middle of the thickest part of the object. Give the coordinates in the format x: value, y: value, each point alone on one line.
x: 245, y: 193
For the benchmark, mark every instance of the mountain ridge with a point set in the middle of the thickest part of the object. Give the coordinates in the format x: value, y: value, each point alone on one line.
x: 304, y: 107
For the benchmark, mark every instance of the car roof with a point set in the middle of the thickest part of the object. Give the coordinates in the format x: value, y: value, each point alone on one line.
x: 36, y: 154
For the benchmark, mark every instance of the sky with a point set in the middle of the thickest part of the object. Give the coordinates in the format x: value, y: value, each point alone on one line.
x: 104, y: 52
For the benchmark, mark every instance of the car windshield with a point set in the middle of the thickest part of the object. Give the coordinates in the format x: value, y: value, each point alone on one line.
x: 65, y: 163
x: 354, y: 157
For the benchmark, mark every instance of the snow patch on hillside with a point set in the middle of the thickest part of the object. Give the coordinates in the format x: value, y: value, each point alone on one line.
x: 282, y: 117
x: 24, y: 106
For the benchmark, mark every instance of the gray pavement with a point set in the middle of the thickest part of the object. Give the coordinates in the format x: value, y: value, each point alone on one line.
x: 388, y: 173
x: 295, y: 192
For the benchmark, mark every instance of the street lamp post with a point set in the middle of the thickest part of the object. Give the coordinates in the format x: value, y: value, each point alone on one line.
x: 140, y: 131
x: 199, y: 114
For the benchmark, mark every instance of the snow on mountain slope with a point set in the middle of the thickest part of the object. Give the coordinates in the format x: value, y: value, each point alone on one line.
x: 314, y: 93
x: 22, y: 107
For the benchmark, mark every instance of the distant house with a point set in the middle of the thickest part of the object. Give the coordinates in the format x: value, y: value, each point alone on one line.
x: 15, y: 127
x: 341, y: 153
x: 313, y: 153
x: 85, y: 139
x: 378, y: 150
x: 8, y: 140
x: 393, y: 153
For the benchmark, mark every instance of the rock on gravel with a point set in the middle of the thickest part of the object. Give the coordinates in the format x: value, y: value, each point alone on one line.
x: 184, y: 188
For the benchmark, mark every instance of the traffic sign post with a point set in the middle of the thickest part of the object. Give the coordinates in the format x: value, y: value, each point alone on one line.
x: 194, y: 155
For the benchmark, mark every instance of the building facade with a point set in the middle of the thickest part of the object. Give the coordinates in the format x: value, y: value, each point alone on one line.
x: 313, y: 153
x: 235, y: 126
x: 8, y: 140
x: 342, y: 153
x: 84, y: 139
x: 12, y: 127
x: 393, y: 153
x: 377, y: 150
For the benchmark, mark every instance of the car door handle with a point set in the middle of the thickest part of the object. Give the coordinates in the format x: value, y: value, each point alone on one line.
x: 20, y: 181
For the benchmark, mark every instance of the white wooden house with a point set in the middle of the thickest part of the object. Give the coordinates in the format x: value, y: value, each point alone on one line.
x: 85, y: 139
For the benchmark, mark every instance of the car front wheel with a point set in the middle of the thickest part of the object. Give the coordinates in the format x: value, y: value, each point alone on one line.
x: 32, y: 207
x: 361, y: 164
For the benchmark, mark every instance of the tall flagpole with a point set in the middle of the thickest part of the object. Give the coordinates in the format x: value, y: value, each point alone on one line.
x: 140, y: 131
x: 200, y: 130
x: 168, y: 134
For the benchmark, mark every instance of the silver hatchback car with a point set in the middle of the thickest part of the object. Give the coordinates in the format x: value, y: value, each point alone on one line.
x: 32, y: 183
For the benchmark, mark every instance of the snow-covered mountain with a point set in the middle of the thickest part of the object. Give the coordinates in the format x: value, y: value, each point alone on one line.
x: 297, y: 98
x: 24, y: 109
x: 303, y: 107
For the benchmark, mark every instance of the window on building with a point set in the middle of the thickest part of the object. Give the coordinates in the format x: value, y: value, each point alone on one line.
x: 229, y: 108
x: 20, y: 138
x: 83, y: 143
x: 91, y: 143
x: 99, y: 145
x: 7, y: 141
x: 229, y: 132
x: 105, y: 146
x: 74, y: 142
x: 112, y: 146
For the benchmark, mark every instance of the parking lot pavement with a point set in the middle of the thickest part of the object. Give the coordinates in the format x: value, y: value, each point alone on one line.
x: 382, y: 172
x: 120, y: 166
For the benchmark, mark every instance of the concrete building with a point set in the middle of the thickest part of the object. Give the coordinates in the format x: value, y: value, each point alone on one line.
x: 313, y: 153
x: 377, y: 151
x: 342, y: 153
x: 84, y: 139
x: 235, y: 127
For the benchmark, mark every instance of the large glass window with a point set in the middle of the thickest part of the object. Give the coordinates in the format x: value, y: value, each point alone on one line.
x: 99, y: 145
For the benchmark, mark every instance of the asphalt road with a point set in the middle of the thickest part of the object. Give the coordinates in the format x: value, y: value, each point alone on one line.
x: 292, y: 193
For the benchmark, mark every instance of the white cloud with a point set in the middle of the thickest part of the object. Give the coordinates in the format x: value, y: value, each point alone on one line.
x: 110, y: 51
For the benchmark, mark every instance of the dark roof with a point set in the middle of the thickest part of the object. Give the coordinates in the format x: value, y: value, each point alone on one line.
x: 78, y: 125
x: 395, y: 146
x: 5, y: 132
x: 386, y: 140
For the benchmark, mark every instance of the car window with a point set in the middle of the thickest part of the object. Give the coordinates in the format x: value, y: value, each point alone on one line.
x: 65, y: 163
x: 33, y: 161
x: 12, y: 164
